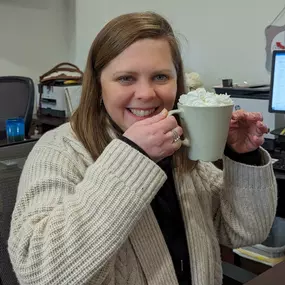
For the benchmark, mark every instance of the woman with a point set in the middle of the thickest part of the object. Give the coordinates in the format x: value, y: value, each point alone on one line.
x: 112, y: 198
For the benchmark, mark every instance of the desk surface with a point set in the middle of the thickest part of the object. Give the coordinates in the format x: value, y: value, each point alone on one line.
x: 4, y: 143
x: 279, y: 175
x: 273, y: 276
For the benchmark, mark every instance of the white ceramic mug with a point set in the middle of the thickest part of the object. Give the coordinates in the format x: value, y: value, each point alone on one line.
x: 205, y: 130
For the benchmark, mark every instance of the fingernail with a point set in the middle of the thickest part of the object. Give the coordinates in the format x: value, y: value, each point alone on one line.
x: 164, y: 112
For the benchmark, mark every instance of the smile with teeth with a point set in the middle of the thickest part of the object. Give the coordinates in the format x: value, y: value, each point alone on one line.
x: 142, y: 113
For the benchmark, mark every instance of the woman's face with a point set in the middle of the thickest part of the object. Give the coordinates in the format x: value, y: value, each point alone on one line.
x: 139, y: 82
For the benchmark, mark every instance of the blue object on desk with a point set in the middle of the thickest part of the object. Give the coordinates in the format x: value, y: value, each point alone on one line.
x: 15, y: 130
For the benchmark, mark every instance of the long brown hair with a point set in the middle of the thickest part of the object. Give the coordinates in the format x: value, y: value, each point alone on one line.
x: 89, y: 121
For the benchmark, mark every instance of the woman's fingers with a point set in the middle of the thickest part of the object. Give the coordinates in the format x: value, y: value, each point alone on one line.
x: 250, y: 116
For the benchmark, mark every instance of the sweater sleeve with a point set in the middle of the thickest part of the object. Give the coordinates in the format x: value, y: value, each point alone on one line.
x: 65, y: 228
x: 244, y: 203
x: 251, y: 158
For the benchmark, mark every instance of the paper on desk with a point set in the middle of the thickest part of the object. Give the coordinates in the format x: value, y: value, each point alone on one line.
x: 273, y: 160
x: 258, y: 257
x: 72, y: 95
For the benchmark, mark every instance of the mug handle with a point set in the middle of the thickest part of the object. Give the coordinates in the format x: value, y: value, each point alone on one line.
x: 185, y: 142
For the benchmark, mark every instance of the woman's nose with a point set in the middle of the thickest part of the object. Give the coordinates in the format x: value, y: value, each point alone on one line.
x: 144, y: 91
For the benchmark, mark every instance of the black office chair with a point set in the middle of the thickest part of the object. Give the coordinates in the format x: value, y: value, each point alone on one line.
x: 12, y: 159
x: 8, y: 191
x: 17, y: 96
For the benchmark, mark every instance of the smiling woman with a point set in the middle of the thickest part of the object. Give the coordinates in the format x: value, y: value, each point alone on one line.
x: 138, y: 84
x: 135, y: 67
x: 112, y: 199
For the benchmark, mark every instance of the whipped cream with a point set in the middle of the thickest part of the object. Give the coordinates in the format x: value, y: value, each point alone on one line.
x: 201, y: 98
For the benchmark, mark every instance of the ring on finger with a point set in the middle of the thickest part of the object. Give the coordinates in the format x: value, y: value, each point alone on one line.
x: 175, y: 135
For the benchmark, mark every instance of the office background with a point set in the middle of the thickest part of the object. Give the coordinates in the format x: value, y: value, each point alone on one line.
x: 34, y: 36
x: 219, y: 38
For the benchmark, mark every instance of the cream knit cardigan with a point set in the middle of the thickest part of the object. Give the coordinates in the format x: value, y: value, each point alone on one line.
x: 77, y: 221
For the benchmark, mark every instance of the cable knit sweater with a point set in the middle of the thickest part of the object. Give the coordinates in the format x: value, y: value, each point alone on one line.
x: 77, y: 221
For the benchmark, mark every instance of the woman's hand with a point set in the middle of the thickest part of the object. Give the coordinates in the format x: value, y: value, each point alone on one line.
x: 246, y: 131
x: 156, y: 135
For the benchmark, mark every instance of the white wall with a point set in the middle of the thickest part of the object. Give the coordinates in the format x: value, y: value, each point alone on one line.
x: 70, y: 27
x: 220, y: 38
x: 34, y: 36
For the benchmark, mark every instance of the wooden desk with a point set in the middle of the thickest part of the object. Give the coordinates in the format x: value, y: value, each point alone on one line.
x: 48, y: 120
x: 46, y: 123
x: 273, y: 276
x: 279, y: 175
x: 43, y: 123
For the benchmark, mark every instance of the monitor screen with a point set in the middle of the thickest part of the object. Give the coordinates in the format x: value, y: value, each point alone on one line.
x: 277, y: 89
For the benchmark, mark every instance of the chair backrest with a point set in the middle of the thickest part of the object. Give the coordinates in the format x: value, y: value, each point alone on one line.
x: 16, y: 100
x: 12, y: 159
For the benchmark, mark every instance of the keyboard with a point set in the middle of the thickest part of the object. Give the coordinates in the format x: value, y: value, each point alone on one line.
x: 279, y: 164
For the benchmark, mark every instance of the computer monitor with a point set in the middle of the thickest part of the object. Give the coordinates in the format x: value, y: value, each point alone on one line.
x: 277, y: 87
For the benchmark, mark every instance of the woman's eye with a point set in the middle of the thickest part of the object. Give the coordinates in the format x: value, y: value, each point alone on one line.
x: 161, y: 77
x: 125, y: 79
